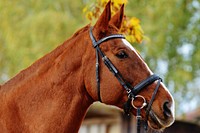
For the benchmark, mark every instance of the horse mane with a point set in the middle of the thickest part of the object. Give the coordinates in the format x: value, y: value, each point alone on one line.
x: 47, y: 58
x: 81, y: 31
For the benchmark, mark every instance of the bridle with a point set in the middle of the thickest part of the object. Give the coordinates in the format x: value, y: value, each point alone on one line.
x: 132, y: 92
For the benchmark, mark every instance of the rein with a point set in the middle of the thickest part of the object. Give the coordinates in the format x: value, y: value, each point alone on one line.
x: 132, y: 92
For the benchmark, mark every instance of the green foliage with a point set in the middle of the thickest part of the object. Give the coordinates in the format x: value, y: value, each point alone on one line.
x: 29, y: 29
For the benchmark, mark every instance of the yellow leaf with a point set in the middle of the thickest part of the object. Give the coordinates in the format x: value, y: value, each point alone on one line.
x: 120, y: 1
x: 103, y: 2
x: 89, y: 15
x: 130, y: 38
x: 85, y: 9
x: 134, y: 21
x: 138, y: 36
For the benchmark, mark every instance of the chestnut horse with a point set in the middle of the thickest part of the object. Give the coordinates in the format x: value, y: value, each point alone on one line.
x: 54, y: 93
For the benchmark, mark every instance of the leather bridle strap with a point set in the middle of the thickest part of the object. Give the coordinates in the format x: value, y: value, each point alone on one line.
x: 151, y: 102
x: 145, y: 83
x: 135, y: 90
x: 106, y: 61
x: 131, y: 91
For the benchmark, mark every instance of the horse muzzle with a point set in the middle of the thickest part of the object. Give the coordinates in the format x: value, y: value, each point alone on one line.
x: 160, y: 121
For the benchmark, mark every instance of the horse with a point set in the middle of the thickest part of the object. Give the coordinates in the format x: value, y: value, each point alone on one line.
x: 54, y: 93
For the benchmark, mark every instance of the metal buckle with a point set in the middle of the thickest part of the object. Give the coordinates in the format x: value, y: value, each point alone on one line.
x: 143, y: 104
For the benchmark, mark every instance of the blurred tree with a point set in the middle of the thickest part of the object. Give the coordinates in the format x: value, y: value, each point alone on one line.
x: 29, y: 29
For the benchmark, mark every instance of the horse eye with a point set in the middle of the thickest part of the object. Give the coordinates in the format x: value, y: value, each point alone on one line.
x: 122, y: 55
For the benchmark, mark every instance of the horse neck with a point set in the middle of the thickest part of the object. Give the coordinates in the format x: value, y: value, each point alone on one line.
x: 53, y: 87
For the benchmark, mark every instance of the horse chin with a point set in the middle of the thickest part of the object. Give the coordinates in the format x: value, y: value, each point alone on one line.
x: 157, y: 123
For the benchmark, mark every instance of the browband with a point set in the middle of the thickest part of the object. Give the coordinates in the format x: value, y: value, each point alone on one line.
x: 96, y: 43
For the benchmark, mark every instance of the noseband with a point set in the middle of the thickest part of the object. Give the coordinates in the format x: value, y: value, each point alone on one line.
x: 132, y: 92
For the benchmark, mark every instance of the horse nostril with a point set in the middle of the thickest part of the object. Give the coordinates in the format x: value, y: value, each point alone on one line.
x: 167, y: 111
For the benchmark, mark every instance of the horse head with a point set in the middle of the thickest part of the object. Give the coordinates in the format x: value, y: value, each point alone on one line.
x: 130, y: 65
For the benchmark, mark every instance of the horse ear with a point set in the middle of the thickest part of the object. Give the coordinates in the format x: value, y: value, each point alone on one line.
x: 117, y: 19
x: 103, y: 21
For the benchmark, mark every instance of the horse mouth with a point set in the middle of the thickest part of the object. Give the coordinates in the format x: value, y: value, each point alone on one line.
x: 155, y: 122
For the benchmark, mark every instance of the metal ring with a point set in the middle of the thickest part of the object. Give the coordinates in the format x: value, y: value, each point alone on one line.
x: 144, y: 102
x: 129, y: 91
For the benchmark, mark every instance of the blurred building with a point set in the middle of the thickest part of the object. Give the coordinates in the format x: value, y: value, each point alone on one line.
x: 107, y: 119
x: 193, y: 116
x: 104, y: 119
